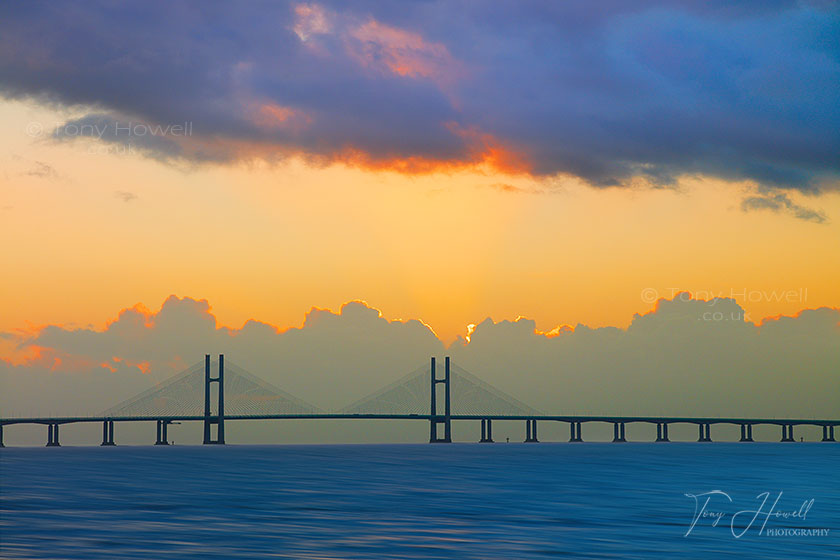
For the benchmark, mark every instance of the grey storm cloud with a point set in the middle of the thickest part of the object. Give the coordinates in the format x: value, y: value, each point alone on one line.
x: 655, y: 89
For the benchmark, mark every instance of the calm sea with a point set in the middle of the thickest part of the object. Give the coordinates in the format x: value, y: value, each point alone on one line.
x: 506, y: 501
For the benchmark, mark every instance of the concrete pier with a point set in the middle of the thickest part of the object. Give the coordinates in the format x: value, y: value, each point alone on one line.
x: 52, y: 435
x: 787, y: 432
x: 746, y: 432
x: 618, y: 432
x: 162, y: 435
x: 486, y: 430
x: 108, y: 433
x: 531, y: 431
x: 574, y: 432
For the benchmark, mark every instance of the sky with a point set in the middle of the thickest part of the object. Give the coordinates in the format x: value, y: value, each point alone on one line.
x: 552, y: 167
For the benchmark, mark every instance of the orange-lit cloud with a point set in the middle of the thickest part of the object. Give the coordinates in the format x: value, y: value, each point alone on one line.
x: 491, y: 151
x: 377, y: 45
x: 493, y: 160
x: 310, y: 19
x: 484, y: 153
x: 51, y: 359
x: 138, y: 313
x: 272, y: 116
x: 557, y: 331
x: 405, y: 53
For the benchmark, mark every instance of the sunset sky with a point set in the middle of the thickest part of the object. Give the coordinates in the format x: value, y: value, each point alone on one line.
x: 442, y: 162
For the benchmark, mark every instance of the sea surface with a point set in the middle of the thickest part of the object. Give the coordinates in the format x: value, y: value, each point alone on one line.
x: 485, y: 501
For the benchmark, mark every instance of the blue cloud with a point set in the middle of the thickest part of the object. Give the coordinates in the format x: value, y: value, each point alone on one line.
x: 743, y: 92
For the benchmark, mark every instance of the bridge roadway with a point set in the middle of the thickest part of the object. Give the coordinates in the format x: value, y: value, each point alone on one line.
x: 427, y: 417
x: 574, y: 421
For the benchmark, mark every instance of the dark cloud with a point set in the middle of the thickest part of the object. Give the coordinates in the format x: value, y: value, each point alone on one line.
x: 655, y: 89
x: 126, y: 135
x: 776, y: 201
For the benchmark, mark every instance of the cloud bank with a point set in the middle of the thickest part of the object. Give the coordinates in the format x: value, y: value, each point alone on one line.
x: 685, y: 357
x: 641, y: 89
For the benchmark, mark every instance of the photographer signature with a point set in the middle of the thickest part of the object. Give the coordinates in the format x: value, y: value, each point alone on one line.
x: 741, y: 521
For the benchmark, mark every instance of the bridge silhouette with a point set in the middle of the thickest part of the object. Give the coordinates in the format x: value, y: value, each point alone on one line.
x: 438, y: 393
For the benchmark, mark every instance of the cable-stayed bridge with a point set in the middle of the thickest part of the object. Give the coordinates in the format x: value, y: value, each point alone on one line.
x: 411, y: 394
x: 437, y: 393
x: 184, y: 395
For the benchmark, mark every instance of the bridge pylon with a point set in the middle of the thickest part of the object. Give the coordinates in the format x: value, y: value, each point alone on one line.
x: 218, y: 419
x: 436, y: 419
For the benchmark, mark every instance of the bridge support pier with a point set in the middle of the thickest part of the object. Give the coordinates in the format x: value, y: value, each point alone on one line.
x: 787, y: 432
x: 828, y: 434
x: 162, y: 436
x: 435, y: 419
x: 52, y: 435
x: 486, y: 431
x: 705, y: 432
x: 219, y: 419
x: 746, y: 432
x: 574, y: 432
x: 1, y: 436
x: 662, y: 431
x: 108, y: 433
x: 531, y: 431
x: 618, y: 432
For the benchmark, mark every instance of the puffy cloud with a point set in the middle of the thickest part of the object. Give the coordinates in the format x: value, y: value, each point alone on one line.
x: 685, y: 357
x: 350, y: 354
x: 642, y: 89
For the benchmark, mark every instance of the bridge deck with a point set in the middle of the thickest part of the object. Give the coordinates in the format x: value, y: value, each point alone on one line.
x: 427, y: 417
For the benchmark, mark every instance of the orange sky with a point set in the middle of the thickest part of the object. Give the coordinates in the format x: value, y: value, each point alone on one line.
x: 449, y: 248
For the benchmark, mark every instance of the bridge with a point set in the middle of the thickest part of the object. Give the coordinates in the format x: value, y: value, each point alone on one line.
x: 439, y: 394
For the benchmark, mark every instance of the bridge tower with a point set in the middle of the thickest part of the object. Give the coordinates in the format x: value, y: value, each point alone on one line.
x: 446, y: 420
x: 219, y: 419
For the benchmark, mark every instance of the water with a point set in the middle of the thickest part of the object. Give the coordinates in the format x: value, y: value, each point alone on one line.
x: 506, y: 501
